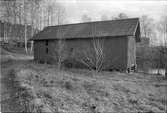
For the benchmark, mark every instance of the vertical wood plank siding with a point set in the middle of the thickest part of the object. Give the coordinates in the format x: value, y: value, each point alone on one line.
x: 40, y: 51
x: 119, y: 51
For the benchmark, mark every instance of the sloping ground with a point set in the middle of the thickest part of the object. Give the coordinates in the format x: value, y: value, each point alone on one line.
x: 28, y: 86
x: 3, y: 51
x: 9, y: 98
x: 81, y: 91
x: 6, y: 55
x: 12, y: 49
x: 9, y: 92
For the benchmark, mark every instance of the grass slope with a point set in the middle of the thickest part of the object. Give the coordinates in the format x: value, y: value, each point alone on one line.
x: 73, y: 90
x: 81, y: 91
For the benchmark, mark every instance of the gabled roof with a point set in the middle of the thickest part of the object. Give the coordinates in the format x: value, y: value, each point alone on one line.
x: 113, y: 28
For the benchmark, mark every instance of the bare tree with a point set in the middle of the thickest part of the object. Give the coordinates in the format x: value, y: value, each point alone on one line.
x: 94, y: 57
x: 29, y: 17
x: 1, y: 9
x: 22, y: 12
x: 34, y: 17
x: 33, y: 14
x: 25, y: 11
x: 7, y: 18
x: 120, y: 16
x: 10, y: 15
x: 60, y: 14
x: 162, y: 27
x: 20, y: 19
x: 60, y: 48
x: 13, y: 10
x: 146, y: 26
x: 50, y: 9
x: 40, y: 18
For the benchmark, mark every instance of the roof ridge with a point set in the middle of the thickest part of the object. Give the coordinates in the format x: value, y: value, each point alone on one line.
x: 94, y: 22
x: 119, y: 27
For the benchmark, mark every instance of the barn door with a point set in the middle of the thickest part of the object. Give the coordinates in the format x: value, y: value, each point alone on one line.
x: 46, y: 50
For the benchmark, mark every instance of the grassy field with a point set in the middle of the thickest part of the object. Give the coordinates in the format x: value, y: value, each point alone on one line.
x: 76, y: 90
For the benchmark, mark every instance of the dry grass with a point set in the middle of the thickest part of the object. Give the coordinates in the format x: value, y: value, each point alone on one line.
x: 78, y: 91
x: 45, y: 89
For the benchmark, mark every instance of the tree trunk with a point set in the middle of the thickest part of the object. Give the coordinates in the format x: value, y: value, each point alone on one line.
x: 25, y: 38
x: 165, y: 71
x: 4, y: 33
x: 32, y: 32
x: 32, y: 45
x: 158, y: 72
x: 48, y: 18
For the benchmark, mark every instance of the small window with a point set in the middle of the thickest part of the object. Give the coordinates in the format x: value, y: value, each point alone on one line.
x: 47, y: 50
x: 46, y: 42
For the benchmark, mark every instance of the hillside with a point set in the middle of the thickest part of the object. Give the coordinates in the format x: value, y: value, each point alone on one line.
x: 44, y: 88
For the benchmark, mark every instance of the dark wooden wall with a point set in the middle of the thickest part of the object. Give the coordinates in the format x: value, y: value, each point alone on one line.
x: 119, y: 51
x: 40, y: 51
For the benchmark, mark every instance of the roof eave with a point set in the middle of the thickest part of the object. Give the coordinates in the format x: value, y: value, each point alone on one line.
x: 38, y: 39
x: 134, y: 33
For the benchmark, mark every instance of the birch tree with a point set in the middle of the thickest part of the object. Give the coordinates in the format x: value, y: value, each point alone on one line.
x: 30, y: 16
x: 25, y: 25
x: 146, y: 26
x: 33, y: 14
x: 10, y: 13
x: 7, y: 18
x: 162, y: 27
x: 35, y: 5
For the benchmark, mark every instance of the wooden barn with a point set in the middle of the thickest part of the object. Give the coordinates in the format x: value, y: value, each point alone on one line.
x: 116, y: 41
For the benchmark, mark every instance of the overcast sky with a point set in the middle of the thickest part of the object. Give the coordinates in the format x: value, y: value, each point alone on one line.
x: 95, y: 8
x: 155, y: 9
